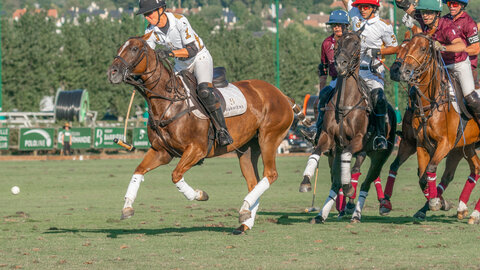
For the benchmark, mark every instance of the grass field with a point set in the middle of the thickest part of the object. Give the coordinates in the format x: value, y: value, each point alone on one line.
x: 67, y: 217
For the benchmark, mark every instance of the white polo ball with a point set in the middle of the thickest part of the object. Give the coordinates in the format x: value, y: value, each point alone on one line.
x: 15, y: 190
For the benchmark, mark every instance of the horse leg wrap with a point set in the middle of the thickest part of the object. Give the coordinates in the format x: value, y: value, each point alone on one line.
x: 253, y: 210
x: 378, y: 187
x: 467, y: 189
x: 361, y: 202
x: 256, y: 192
x: 340, y: 202
x: 312, y: 163
x: 346, y: 160
x: 187, y: 190
x: 327, y: 206
x: 432, y: 184
x: 390, y: 183
x: 133, y: 189
x: 440, y: 189
x: 354, y: 182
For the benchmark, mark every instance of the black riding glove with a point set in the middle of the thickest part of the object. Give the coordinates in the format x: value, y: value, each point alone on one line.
x: 165, y: 53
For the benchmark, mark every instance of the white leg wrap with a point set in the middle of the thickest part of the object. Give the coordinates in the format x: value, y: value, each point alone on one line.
x: 475, y: 214
x: 346, y: 160
x: 312, y: 164
x: 327, y: 206
x: 461, y: 206
x: 133, y: 189
x: 361, y: 201
x: 187, y: 190
x: 256, y: 192
x: 249, y: 222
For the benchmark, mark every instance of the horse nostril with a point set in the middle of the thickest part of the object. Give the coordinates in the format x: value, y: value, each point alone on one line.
x: 114, y: 71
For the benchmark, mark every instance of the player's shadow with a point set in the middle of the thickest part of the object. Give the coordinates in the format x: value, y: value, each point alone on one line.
x: 114, y: 233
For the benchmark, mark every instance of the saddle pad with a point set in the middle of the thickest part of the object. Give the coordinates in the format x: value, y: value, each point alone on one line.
x: 454, y: 100
x: 235, y: 102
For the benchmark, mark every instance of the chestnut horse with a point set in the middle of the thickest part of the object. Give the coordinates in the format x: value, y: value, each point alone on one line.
x: 437, y: 127
x: 175, y: 132
x: 346, y: 130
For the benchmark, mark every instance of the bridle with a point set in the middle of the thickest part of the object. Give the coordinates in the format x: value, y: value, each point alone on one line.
x: 173, y: 87
x: 354, y: 59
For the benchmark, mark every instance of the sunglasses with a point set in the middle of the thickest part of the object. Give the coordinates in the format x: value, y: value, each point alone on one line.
x: 453, y: 4
x: 335, y: 25
x: 364, y: 7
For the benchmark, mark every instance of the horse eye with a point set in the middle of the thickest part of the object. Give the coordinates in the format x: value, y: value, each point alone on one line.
x: 423, y: 49
x: 135, y: 49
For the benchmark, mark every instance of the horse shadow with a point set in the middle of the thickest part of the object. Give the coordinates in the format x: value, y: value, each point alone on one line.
x: 114, y: 233
x: 289, y: 218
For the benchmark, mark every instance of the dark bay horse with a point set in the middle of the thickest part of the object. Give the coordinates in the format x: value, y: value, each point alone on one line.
x: 346, y: 128
x: 438, y: 128
x: 174, y: 131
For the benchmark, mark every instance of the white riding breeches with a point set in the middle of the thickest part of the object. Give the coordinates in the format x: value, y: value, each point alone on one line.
x: 201, y: 67
x: 373, y: 81
x: 463, y: 72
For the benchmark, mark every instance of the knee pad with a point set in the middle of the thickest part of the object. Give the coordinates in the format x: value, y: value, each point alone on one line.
x: 203, y: 90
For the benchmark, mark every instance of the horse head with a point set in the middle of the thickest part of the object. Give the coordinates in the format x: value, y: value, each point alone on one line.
x: 347, y: 53
x: 413, y: 59
x: 132, y: 59
x: 401, y: 53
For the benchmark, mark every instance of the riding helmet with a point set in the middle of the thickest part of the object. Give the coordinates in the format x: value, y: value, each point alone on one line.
x: 434, y: 5
x: 366, y: 2
x: 464, y: 2
x: 338, y: 16
x: 146, y: 6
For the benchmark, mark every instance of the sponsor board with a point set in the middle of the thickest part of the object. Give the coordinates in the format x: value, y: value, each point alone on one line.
x: 140, y: 138
x: 4, y: 137
x: 81, y: 138
x: 104, y: 137
x: 36, y: 139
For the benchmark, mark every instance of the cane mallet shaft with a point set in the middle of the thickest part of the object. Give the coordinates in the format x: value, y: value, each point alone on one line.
x: 120, y: 142
x: 312, y: 209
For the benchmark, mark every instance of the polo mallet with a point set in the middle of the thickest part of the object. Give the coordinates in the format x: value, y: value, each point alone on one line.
x: 120, y: 142
x: 313, y: 209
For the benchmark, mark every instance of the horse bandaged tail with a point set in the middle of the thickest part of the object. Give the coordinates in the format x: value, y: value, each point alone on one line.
x: 231, y: 96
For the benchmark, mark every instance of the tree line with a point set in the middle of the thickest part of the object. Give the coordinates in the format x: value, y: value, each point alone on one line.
x: 38, y: 57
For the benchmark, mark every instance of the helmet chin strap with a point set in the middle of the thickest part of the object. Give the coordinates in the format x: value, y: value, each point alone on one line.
x: 159, y: 15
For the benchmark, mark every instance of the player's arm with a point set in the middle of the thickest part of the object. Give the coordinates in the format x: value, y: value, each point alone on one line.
x: 406, y: 5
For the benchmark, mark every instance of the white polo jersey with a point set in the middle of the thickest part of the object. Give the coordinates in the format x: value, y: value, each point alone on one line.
x: 377, y: 33
x: 179, y: 34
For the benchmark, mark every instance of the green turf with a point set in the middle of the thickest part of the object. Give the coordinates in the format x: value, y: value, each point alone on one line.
x: 67, y: 217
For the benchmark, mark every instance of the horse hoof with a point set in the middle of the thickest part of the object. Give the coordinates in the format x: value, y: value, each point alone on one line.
x: 201, y: 195
x: 462, y: 214
x: 127, y: 213
x: 385, y: 207
x: 434, y: 204
x: 240, y: 230
x: 355, y: 219
x: 446, y: 205
x: 350, y: 208
x: 348, y: 190
x: 305, y: 186
x: 473, y: 220
x: 420, y: 216
x: 244, y: 215
x: 317, y: 220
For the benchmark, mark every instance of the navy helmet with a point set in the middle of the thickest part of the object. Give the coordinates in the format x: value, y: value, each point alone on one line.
x: 146, y: 6
x: 338, y: 16
x: 464, y: 2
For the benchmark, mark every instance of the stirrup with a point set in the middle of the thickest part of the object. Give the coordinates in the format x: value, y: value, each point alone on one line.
x: 382, y: 143
x: 223, y: 137
x: 309, y: 135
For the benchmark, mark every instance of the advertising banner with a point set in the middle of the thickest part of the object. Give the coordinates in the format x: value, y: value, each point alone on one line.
x: 140, y: 138
x: 104, y: 137
x: 36, y: 138
x: 4, y: 137
x: 81, y: 138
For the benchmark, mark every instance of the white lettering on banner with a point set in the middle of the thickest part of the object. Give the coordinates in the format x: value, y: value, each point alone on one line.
x: 99, y: 136
x: 3, y: 139
x: 35, y: 143
x: 139, y: 143
x: 82, y: 139
x: 3, y: 131
x: 3, y: 145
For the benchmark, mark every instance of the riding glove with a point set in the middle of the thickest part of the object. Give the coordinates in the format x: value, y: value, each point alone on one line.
x: 372, y: 52
x: 165, y: 53
x: 438, y: 46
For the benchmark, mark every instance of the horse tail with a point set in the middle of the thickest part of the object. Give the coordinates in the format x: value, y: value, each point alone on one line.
x: 299, y: 112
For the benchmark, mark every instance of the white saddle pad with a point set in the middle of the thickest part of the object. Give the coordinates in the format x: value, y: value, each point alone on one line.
x: 235, y: 101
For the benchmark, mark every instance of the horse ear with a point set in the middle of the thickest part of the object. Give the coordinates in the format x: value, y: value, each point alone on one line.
x: 408, y: 35
x: 147, y: 35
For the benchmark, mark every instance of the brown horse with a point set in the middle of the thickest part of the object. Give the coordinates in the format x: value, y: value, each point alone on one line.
x: 174, y: 131
x: 346, y: 128
x: 437, y: 127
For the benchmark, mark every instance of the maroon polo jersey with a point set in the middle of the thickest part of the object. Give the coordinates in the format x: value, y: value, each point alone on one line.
x: 328, y: 53
x: 444, y: 34
x: 467, y: 28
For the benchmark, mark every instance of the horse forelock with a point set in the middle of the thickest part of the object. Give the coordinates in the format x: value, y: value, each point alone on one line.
x: 123, y: 47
